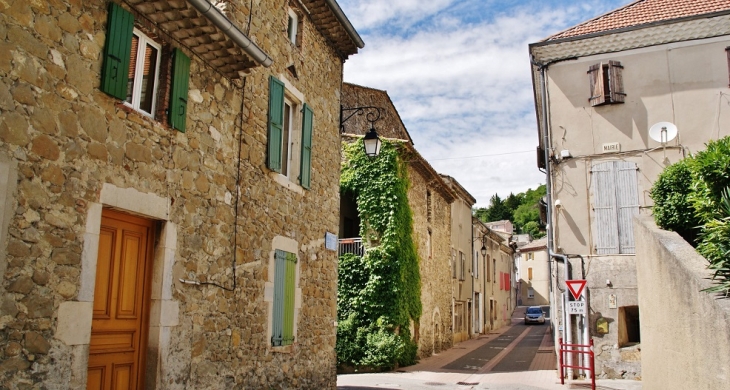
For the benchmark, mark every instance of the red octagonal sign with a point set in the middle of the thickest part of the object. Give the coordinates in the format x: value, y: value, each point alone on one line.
x: 576, y: 287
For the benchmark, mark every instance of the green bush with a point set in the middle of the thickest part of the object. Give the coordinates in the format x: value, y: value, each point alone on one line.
x: 692, y: 197
x: 672, y: 208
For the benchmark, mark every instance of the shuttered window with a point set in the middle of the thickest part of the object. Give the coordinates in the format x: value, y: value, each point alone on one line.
x: 529, y: 273
x: 284, y: 289
x: 179, y: 90
x: 117, y: 49
x: 615, y: 201
x: 462, y: 264
x: 276, y: 123
x: 306, y: 160
x: 606, y: 83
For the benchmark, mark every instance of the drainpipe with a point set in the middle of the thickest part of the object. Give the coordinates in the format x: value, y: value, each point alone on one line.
x: 222, y: 22
x: 567, y: 334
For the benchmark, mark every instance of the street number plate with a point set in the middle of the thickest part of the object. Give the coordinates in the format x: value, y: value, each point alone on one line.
x: 576, y: 307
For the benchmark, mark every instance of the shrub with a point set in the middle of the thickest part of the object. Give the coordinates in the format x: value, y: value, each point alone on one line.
x: 715, y: 246
x: 672, y: 209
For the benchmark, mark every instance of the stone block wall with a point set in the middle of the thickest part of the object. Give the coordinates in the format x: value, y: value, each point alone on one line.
x: 73, y: 150
x: 435, y: 328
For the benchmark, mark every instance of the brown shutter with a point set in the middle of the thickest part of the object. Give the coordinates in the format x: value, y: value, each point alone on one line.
x: 616, y: 82
x: 595, y: 75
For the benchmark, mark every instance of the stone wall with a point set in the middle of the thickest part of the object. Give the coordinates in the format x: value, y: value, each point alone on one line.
x: 78, y: 150
x: 435, y: 329
x: 685, y: 332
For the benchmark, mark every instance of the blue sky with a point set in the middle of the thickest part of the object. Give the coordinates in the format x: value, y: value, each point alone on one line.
x: 458, y: 73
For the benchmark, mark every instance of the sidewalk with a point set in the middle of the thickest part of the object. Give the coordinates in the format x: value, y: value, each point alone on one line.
x: 430, y: 372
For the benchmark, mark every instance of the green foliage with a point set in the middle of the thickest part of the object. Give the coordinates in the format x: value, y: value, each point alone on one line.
x: 695, y: 192
x: 379, y: 294
x: 672, y: 209
x: 521, y: 209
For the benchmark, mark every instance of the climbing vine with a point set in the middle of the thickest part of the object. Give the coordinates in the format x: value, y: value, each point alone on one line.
x: 378, y: 294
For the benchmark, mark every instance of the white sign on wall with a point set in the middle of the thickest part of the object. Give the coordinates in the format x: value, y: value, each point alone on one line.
x: 576, y: 307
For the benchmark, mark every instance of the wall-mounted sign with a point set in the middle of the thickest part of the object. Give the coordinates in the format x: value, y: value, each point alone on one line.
x: 330, y: 241
x: 612, y: 304
x: 611, y: 147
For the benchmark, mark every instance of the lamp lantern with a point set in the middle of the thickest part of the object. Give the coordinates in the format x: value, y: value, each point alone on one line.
x: 372, y: 142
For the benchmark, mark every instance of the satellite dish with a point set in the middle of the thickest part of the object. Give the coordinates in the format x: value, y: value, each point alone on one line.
x: 663, y: 132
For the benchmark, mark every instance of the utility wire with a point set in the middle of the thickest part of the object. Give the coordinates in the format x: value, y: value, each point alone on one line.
x: 482, y: 155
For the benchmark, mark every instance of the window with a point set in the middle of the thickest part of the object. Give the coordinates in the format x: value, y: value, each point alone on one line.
x: 429, y: 207
x: 144, y: 65
x: 131, y: 69
x: 430, y: 247
x: 292, y: 30
x: 494, y: 270
x: 529, y: 273
x: 462, y: 262
x: 488, y: 261
x: 453, y: 263
x: 284, y: 288
x: 530, y: 256
x: 530, y: 293
x: 606, y: 83
x: 615, y: 202
x: 289, y: 126
x: 628, y: 326
x: 475, y: 265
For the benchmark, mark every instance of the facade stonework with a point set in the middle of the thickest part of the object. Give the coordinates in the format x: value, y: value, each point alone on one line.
x: 68, y: 151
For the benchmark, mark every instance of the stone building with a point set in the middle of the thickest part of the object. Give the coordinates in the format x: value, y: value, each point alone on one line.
x: 163, y: 171
x: 465, y: 288
x: 619, y: 98
x: 498, y: 270
x: 430, y: 201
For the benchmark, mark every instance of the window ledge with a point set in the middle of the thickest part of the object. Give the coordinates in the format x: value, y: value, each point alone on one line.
x: 285, y: 182
x: 284, y: 349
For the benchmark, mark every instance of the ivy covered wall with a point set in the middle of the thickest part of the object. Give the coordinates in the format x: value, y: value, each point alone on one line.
x: 378, y: 294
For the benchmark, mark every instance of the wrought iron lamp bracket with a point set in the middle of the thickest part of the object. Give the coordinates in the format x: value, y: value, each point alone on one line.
x: 372, y: 116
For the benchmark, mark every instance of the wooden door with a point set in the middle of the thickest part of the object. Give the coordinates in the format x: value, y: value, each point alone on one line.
x: 119, y: 327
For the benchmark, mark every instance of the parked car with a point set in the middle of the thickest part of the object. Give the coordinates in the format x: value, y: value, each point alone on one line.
x: 534, y: 315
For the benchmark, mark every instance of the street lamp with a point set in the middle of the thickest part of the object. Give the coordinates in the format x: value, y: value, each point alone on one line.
x: 371, y: 141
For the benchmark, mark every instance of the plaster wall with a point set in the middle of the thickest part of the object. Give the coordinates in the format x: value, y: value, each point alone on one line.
x: 540, y: 278
x: 685, y: 331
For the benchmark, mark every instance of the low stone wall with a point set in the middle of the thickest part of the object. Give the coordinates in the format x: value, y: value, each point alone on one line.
x: 685, y: 333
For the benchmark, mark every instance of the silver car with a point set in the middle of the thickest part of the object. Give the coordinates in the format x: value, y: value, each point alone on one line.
x: 534, y: 315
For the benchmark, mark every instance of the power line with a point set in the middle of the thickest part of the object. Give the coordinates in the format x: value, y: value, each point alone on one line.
x: 482, y: 155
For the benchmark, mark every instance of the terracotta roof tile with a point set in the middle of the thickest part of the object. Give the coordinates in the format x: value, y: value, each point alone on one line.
x: 644, y: 12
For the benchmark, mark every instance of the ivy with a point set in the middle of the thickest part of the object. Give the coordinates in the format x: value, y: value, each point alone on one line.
x: 378, y: 294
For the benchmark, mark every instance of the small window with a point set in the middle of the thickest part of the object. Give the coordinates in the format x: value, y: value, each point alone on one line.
x: 628, y: 326
x: 428, y: 243
x: 529, y: 273
x: 284, y: 289
x: 606, y: 83
x: 530, y: 293
x: 144, y: 65
x: 292, y: 30
x: 530, y: 256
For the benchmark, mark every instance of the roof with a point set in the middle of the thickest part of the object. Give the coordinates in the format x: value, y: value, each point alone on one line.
x: 643, y: 12
x: 535, y: 245
x: 389, y: 125
x: 329, y: 19
x: 459, y: 190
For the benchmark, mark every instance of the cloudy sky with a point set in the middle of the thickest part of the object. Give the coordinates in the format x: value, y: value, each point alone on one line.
x: 458, y: 72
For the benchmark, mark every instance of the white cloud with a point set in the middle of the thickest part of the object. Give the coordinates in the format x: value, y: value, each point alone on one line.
x: 459, y: 76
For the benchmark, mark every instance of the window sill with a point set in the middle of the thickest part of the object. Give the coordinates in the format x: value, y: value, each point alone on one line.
x: 285, y: 182
x: 284, y: 349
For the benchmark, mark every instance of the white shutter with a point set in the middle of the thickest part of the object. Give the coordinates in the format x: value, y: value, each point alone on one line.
x: 627, y: 198
x: 615, y: 202
x: 604, y: 209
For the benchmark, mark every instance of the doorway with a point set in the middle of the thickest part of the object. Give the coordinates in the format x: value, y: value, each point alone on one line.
x: 120, y: 321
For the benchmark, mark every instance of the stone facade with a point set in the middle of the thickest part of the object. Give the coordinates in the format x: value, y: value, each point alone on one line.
x: 68, y: 151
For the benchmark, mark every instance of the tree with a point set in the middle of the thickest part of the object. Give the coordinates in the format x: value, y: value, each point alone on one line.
x: 521, y: 209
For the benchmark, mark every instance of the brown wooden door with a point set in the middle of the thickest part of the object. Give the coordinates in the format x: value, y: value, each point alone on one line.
x: 119, y: 327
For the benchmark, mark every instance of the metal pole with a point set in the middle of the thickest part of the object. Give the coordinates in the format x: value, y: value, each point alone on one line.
x: 562, y: 367
x: 593, y: 367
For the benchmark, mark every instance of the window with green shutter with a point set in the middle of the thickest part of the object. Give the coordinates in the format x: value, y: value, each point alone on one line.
x: 306, y: 163
x: 131, y: 69
x: 284, y: 297
x: 276, y: 123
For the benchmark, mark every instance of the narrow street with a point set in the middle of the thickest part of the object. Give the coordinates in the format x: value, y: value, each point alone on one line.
x: 517, y: 357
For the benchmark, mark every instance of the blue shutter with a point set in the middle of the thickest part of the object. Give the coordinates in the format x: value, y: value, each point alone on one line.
x: 276, y: 123
x: 179, y: 90
x: 627, y: 202
x: 605, y: 227
x: 115, y: 68
x: 306, y: 165
x: 277, y: 326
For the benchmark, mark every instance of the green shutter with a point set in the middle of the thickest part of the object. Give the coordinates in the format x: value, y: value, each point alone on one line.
x: 179, y: 90
x: 306, y: 166
x: 115, y: 69
x: 276, y: 122
x: 277, y: 326
x: 291, y: 270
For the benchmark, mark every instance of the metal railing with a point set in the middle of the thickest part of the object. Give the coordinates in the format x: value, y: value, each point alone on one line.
x: 351, y: 245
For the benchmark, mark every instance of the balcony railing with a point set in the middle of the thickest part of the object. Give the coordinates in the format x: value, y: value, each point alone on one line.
x: 351, y: 245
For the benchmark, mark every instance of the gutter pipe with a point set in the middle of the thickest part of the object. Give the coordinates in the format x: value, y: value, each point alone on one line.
x: 567, y: 334
x: 227, y: 27
x: 342, y: 18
